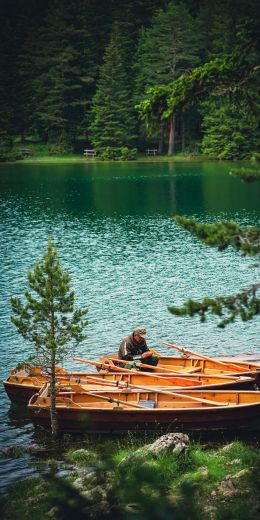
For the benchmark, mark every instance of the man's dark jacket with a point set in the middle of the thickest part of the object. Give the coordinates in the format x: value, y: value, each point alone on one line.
x: 130, y: 348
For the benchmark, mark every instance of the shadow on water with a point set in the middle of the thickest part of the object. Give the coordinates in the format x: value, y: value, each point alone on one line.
x: 18, y: 416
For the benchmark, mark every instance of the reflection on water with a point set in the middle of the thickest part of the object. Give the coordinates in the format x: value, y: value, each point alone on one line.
x: 132, y: 189
x: 127, y: 257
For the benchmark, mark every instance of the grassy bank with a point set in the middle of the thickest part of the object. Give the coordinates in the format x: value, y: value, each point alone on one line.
x: 40, y: 153
x: 116, y: 481
x: 79, y: 159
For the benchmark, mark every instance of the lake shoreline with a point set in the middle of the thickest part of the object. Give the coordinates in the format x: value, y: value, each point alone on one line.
x: 78, y: 159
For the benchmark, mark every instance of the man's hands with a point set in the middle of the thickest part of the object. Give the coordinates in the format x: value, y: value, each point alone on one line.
x: 147, y: 354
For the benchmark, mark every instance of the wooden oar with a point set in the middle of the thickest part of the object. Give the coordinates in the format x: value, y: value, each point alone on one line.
x: 125, y: 370
x: 238, y: 368
x: 122, y: 384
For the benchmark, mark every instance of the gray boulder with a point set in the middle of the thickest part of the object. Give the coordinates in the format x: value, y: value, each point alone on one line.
x: 173, y: 443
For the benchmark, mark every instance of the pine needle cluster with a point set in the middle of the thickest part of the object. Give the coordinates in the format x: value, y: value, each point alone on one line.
x: 246, y: 303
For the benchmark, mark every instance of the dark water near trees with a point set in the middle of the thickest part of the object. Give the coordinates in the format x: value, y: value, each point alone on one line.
x: 128, y: 259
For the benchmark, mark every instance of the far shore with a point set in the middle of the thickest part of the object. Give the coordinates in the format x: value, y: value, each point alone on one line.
x: 79, y: 159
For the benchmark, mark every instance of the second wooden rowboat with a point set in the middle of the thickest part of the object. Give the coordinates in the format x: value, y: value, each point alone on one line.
x: 113, y: 411
x: 195, y: 365
x: 22, y: 384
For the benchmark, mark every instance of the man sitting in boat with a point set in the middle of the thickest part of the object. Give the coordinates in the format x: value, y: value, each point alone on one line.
x: 134, y: 348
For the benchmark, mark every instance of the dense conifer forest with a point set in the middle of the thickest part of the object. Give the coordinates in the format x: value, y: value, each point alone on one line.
x: 73, y: 74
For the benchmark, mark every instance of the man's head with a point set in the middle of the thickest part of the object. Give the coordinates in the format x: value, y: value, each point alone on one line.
x: 140, y: 333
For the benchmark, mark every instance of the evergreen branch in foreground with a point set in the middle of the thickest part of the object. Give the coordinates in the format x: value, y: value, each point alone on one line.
x: 246, y: 174
x: 245, y: 305
x: 223, y: 234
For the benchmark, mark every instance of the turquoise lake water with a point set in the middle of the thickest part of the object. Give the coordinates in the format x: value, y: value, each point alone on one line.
x: 114, y: 228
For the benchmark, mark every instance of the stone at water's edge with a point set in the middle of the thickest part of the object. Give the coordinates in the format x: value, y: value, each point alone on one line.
x: 174, y: 443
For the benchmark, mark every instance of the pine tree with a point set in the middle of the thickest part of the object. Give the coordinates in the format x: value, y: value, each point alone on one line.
x: 48, y: 318
x: 53, y: 67
x: 231, y: 130
x: 113, y: 121
x: 166, y: 49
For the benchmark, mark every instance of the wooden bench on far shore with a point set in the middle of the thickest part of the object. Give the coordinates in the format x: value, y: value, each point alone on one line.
x: 26, y: 152
x: 90, y: 153
x: 152, y: 151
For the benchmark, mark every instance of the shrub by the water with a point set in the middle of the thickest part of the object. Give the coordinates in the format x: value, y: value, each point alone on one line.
x: 117, y: 153
x: 246, y: 174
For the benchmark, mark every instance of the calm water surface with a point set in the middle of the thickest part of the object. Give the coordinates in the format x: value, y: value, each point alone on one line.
x: 127, y: 258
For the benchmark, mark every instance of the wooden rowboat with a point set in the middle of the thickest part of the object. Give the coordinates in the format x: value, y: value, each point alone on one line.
x: 113, y: 411
x: 196, y: 365
x: 22, y: 384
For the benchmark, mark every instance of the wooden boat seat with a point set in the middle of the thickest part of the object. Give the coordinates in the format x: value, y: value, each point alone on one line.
x: 147, y: 403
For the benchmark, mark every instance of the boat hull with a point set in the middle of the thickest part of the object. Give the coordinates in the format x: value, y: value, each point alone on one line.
x: 184, y: 411
x: 120, y: 420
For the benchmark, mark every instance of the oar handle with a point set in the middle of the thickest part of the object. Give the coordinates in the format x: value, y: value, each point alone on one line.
x: 238, y: 368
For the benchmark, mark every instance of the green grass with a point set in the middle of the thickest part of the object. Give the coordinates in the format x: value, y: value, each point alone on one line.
x: 168, y: 486
x: 46, y: 159
x: 26, y: 501
x: 82, y: 457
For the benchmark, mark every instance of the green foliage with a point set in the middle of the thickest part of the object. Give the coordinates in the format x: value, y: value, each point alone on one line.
x: 256, y: 156
x: 231, y: 130
x: 82, y: 457
x: 48, y: 319
x: 26, y: 500
x: 167, y: 48
x: 62, y: 147
x: 122, y: 153
x: 193, y: 87
x: 223, y: 234
x: 234, y: 74
x: 158, y: 487
x: 51, y: 71
x: 7, y: 153
x: 246, y: 174
x: 10, y: 155
x: 245, y: 304
x: 112, y: 113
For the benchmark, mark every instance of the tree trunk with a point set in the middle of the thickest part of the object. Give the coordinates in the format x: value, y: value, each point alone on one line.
x: 53, y: 413
x: 160, y: 142
x: 183, y: 142
x: 171, y: 136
